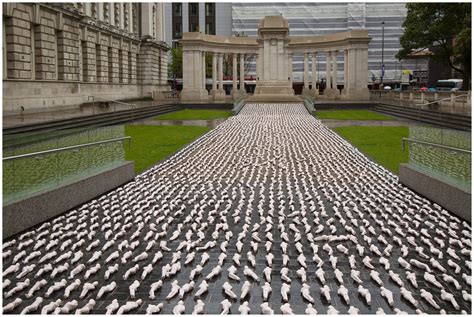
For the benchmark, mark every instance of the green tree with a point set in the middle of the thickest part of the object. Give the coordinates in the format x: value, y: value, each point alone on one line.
x: 176, y: 65
x: 444, y: 26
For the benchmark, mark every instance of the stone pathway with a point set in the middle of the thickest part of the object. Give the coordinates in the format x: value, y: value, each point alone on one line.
x: 271, y: 180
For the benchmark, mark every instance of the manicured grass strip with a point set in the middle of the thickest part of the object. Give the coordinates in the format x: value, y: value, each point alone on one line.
x: 194, y: 114
x: 151, y: 144
x: 351, y: 115
x: 382, y: 144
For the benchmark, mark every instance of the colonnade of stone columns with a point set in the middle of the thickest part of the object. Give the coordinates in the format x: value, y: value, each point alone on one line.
x: 331, y: 74
x: 195, y: 68
x: 355, y: 64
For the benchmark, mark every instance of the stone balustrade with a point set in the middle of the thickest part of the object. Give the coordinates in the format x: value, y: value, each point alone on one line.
x: 452, y: 102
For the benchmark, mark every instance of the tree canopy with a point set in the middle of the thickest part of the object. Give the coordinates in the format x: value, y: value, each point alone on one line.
x: 444, y: 26
x: 176, y: 64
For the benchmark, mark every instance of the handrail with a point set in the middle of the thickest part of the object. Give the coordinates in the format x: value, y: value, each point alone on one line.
x: 436, y: 101
x: 434, y: 144
x: 115, y: 101
x: 134, y: 106
x: 67, y: 148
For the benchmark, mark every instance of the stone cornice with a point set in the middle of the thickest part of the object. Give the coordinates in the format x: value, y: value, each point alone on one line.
x: 352, y: 39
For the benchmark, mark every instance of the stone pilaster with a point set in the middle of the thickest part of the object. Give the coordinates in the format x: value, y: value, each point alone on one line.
x: 102, y: 63
x: 113, y: 54
x: 89, y: 62
x: 149, y: 64
x: 45, y: 55
x: 123, y: 67
x: 164, y: 68
x: 68, y: 51
x: 133, y: 57
x: 18, y: 39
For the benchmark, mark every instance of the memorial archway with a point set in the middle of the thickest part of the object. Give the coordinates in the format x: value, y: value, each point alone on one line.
x: 274, y: 49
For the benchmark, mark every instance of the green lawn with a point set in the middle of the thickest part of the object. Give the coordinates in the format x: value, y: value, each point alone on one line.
x: 195, y: 114
x: 351, y: 115
x: 151, y: 144
x: 382, y: 144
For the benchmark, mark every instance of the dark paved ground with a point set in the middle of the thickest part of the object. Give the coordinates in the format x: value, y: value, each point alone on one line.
x: 272, y: 165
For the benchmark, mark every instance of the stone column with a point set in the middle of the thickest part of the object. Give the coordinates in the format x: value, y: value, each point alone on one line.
x: 221, y: 71
x: 218, y: 92
x: 234, y: 73
x: 330, y: 90
x: 305, y: 70
x: 334, y: 70
x: 290, y: 67
x: 193, y: 90
x: 242, y: 72
x: 328, y: 70
x: 314, y: 77
x: 346, y: 69
x: 204, y: 70
x: 214, y: 72
x: 355, y: 87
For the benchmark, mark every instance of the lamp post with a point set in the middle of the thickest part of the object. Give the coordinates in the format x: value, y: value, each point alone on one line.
x: 383, y: 40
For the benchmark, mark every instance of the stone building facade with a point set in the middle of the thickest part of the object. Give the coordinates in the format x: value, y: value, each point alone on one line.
x: 57, y: 55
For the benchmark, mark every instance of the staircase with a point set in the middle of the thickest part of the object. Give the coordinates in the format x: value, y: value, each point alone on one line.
x: 94, y: 120
x: 443, y: 119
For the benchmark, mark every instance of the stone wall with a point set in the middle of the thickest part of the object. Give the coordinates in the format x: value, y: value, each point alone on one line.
x: 55, y: 55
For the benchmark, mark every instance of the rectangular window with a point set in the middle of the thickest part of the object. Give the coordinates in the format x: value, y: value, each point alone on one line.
x: 193, y: 8
x: 210, y: 28
x: 177, y: 31
x: 210, y: 9
x: 177, y: 9
x: 194, y: 27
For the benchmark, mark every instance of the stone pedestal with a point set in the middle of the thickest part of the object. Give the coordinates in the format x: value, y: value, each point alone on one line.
x: 195, y: 95
x: 274, y: 82
x: 218, y: 95
x: 331, y: 93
